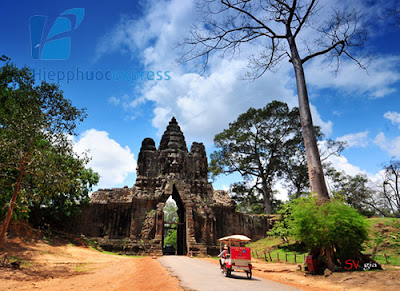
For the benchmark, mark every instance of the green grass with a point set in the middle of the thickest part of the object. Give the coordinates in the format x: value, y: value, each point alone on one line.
x: 266, y: 243
x: 275, y: 246
x: 384, y: 239
x: 392, y: 259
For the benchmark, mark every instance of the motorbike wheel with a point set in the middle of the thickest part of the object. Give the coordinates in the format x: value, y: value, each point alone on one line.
x: 226, y: 271
x: 248, y: 273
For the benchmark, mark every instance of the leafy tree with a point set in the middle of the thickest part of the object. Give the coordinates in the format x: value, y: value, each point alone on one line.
x: 276, y: 26
x: 248, y: 201
x: 359, y: 192
x: 170, y: 215
x: 60, y: 206
x: 281, y: 228
x: 254, y: 146
x: 295, y: 163
x: 323, y: 228
x: 354, y: 190
x: 35, y: 122
x: 329, y: 226
x: 170, y: 212
x: 171, y: 238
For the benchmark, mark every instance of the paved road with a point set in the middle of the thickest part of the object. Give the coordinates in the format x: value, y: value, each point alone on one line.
x: 200, y: 275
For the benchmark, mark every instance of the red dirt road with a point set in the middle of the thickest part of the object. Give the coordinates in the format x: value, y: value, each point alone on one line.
x: 76, y: 268
x: 68, y: 267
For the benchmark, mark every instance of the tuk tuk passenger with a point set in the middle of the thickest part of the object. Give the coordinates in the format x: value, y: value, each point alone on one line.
x: 223, y: 255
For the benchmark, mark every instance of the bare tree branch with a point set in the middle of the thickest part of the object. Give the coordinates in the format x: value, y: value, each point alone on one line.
x: 324, y: 51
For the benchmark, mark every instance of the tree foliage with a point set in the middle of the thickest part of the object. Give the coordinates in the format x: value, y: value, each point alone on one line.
x: 367, y: 197
x: 254, y: 146
x: 171, y: 238
x: 281, y: 228
x: 333, y: 225
x: 354, y: 190
x: 295, y: 164
x: 170, y: 215
x: 170, y: 212
x: 264, y: 145
x: 251, y: 201
x: 36, y: 155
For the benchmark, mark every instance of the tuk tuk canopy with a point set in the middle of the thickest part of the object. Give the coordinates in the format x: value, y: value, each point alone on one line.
x: 235, y: 237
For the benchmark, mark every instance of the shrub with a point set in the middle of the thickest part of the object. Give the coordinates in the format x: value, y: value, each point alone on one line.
x: 333, y: 223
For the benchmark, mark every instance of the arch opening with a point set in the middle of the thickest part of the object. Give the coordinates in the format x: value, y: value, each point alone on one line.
x: 174, y: 232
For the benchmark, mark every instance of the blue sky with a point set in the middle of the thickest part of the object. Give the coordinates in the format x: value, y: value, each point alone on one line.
x: 362, y: 108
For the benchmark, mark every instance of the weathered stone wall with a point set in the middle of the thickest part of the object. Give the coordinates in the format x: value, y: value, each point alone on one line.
x: 229, y: 222
x: 116, y: 220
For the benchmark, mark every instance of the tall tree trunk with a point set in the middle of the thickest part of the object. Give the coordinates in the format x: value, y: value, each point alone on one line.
x: 315, y: 171
x: 267, y: 199
x: 11, y: 207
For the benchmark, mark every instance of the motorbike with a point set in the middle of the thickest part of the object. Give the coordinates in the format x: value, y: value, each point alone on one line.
x: 237, y: 256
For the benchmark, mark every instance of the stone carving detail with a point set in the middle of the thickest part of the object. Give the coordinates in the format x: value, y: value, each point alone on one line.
x: 149, y: 226
x: 171, y: 170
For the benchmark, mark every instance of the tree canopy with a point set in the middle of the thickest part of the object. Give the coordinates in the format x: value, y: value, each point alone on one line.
x: 36, y: 155
x: 255, y: 145
x: 334, y: 225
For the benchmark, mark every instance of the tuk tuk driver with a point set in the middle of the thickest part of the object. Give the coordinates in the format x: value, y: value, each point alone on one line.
x: 223, y: 255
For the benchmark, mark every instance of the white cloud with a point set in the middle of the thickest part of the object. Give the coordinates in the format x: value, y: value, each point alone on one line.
x: 359, y: 139
x: 203, y: 105
x: 378, y: 81
x: 326, y: 127
x: 112, y: 161
x: 394, y: 117
x: 153, y: 36
x: 392, y: 147
x: 341, y: 163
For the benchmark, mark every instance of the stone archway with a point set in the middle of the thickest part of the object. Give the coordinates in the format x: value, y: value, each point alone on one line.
x: 181, y: 248
x: 181, y: 225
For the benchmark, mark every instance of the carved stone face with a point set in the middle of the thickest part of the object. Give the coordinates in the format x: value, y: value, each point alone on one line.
x: 174, y: 161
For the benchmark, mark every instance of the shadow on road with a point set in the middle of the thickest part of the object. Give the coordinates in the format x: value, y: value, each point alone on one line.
x: 233, y: 276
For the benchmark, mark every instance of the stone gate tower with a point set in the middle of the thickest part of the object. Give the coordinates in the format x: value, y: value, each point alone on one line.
x: 131, y: 220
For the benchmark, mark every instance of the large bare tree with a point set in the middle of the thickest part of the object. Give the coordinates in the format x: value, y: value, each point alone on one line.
x: 391, y: 188
x: 280, y: 29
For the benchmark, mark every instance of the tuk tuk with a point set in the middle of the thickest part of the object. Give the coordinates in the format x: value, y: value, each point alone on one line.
x: 237, y: 256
